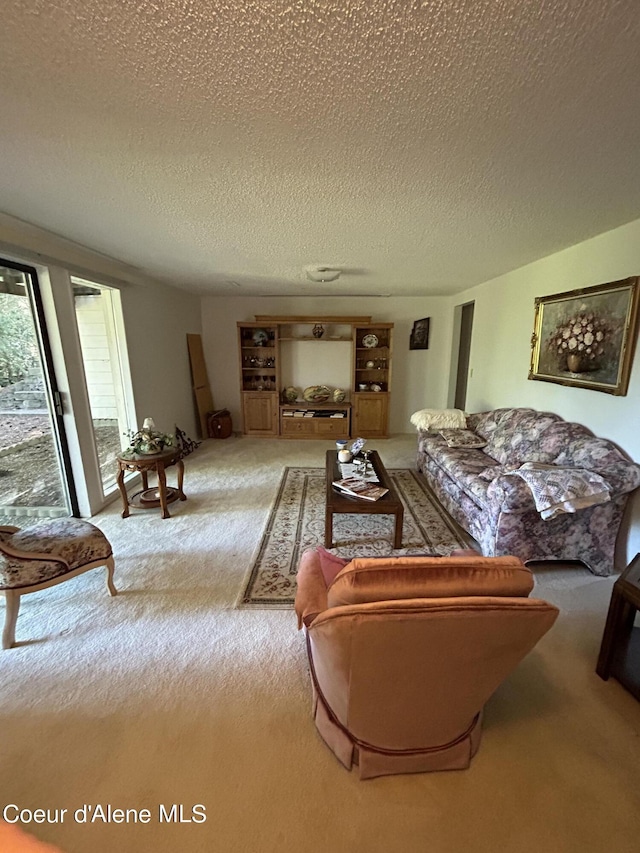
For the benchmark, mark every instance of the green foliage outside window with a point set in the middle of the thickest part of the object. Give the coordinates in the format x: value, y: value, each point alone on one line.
x: 18, y: 346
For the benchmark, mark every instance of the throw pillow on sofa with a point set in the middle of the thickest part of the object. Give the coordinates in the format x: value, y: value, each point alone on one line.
x: 462, y: 438
x: 435, y: 419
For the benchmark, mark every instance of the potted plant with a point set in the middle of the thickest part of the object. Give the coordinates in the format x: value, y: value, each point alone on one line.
x: 148, y: 441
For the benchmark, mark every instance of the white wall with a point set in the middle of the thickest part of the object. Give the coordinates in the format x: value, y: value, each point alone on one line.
x: 300, y: 364
x: 160, y: 371
x: 419, y: 377
x: 157, y: 323
x: 501, y: 345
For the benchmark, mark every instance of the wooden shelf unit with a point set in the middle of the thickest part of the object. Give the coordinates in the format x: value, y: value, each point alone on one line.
x: 261, y: 382
x: 371, y: 379
x: 315, y: 422
x: 259, y: 378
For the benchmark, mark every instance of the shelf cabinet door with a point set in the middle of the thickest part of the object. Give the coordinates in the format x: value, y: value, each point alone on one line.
x: 370, y: 414
x: 297, y: 427
x: 260, y: 413
x: 332, y: 428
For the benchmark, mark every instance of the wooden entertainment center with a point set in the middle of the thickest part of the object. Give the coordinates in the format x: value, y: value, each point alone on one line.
x: 266, y: 351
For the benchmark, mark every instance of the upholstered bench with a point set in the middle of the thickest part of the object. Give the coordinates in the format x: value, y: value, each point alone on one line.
x: 45, y: 554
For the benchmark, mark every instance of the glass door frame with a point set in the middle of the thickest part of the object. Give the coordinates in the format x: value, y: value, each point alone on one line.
x: 118, y: 360
x: 53, y: 394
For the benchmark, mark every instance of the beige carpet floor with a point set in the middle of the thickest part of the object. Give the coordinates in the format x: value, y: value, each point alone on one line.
x: 169, y: 694
x: 297, y: 520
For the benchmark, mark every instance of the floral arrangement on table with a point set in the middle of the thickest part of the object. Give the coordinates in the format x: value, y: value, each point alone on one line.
x: 581, y: 341
x: 148, y: 440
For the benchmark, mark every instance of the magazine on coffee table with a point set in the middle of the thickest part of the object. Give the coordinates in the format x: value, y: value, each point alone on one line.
x: 360, y: 489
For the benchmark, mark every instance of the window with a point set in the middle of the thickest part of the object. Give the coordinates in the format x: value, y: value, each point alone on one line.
x: 101, y: 332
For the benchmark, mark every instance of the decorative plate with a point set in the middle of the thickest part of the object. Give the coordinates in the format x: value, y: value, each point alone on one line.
x: 260, y: 337
x: 370, y: 341
x: 291, y: 394
x: 376, y: 387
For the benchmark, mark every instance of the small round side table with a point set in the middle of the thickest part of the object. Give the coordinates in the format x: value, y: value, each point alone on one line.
x: 154, y: 497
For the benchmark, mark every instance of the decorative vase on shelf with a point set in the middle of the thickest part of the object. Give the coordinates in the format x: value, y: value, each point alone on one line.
x: 317, y: 331
x: 316, y: 394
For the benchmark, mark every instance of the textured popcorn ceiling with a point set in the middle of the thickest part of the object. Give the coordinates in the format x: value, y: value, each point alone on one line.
x: 224, y: 146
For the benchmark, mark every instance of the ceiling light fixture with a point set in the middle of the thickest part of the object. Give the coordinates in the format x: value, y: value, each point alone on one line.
x: 322, y: 273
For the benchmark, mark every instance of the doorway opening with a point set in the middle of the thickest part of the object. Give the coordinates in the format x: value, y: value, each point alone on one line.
x: 464, y: 316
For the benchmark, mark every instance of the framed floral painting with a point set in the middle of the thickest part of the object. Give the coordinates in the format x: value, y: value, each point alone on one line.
x: 586, y: 337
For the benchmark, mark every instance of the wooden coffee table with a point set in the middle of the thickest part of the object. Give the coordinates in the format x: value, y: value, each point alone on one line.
x: 389, y: 504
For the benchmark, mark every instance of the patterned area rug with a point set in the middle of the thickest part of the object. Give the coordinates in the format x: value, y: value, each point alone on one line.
x: 296, y: 522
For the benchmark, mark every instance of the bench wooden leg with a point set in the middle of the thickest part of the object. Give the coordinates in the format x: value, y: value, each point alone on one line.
x: 11, y: 617
x: 110, y: 568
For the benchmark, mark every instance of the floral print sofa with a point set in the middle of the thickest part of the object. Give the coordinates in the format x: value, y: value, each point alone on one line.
x: 498, y: 509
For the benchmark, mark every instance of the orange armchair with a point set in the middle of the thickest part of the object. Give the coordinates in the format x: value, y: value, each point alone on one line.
x: 404, y: 653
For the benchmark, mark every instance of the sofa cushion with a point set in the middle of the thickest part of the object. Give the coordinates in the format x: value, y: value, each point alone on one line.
x: 462, y: 465
x: 462, y: 438
x: 578, y: 447
x: 524, y: 435
x: 375, y: 579
x: 486, y: 423
x: 516, y: 436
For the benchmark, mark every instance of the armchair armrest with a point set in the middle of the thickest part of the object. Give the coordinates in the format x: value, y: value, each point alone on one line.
x: 311, y: 595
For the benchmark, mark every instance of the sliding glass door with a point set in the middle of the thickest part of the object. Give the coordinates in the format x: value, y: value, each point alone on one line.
x: 100, y: 329
x: 35, y: 475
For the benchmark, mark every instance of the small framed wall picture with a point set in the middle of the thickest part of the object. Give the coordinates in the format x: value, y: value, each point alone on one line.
x: 420, y: 334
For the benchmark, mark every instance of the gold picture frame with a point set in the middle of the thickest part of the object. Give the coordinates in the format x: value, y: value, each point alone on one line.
x: 586, y: 337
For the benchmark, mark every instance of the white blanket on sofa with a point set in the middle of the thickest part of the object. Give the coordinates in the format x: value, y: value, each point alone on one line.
x: 434, y: 419
x: 556, y: 490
